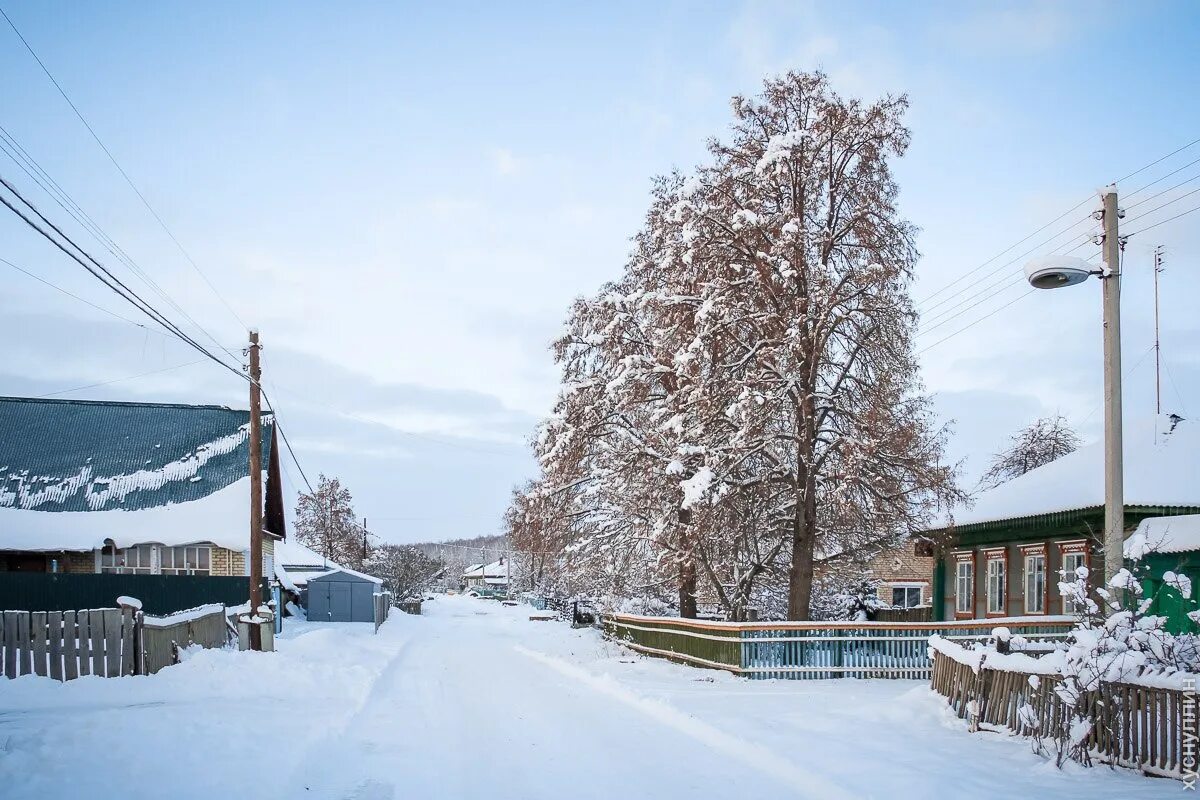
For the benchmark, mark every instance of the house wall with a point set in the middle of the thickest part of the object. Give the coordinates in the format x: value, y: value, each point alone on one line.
x: 227, y: 562
x: 902, y: 566
x: 1014, y: 560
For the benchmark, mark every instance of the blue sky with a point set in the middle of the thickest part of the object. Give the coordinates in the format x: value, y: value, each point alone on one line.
x: 405, y: 198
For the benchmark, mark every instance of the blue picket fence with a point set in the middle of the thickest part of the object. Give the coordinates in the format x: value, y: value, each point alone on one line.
x: 812, y: 650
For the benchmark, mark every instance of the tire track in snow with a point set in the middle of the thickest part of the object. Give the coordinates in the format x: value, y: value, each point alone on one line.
x: 806, y: 782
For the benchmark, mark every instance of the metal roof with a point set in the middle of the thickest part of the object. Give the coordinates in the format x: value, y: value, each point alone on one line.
x: 84, y: 455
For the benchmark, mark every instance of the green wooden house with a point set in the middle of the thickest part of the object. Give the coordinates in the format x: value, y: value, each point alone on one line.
x: 1002, y: 556
x: 1163, y: 545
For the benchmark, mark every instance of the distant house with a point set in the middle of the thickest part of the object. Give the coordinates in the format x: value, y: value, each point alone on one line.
x: 131, y: 488
x: 494, y: 575
x: 1006, y: 551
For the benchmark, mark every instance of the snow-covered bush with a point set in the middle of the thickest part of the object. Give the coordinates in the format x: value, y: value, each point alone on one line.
x: 1115, y: 640
x: 837, y: 597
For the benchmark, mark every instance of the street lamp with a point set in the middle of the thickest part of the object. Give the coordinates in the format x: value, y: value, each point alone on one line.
x: 1057, y: 271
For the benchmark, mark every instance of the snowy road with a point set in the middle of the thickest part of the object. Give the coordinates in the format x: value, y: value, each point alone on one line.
x: 473, y: 700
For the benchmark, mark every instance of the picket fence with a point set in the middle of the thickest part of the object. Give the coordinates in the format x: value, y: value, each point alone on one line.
x: 68, y: 644
x: 810, y: 650
x: 1140, y: 727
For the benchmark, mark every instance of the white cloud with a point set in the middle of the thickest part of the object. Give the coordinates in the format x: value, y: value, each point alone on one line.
x: 504, y: 161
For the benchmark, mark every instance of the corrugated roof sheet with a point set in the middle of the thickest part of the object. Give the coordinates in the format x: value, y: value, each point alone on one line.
x: 83, y: 455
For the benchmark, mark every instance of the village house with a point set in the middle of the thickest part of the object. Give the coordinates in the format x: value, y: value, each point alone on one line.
x: 131, y: 488
x: 490, y: 576
x: 1003, y: 556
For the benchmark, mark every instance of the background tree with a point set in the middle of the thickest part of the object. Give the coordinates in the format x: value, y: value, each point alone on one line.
x: 1046, y: 439
x: 407, y: 571
x: 325, y: 522
x: 746, y: 395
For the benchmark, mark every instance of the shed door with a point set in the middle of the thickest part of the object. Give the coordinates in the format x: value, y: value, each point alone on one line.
x: 339, y: 602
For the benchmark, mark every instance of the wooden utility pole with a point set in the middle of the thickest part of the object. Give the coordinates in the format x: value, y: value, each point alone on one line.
x: 256, y: 491
x: 364, y: 529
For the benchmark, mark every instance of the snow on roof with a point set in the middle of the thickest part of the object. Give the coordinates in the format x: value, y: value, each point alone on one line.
x: 496, y: 569
x: 1177, y: 534
x: 1161, y: 469
x: 295, y: 564
x: 221, y: 518
x: 347, y: 571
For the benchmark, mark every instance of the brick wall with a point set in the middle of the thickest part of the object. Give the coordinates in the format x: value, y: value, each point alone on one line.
x: 227, y: 562
x: 78, y: 562
x: 903, y: 565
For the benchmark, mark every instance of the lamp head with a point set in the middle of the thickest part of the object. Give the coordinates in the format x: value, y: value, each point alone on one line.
x: 1052, y: 272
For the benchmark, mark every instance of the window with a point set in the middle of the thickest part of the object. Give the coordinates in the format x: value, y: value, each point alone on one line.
x: 1035, y: 581
x: 1074, y: 555
x: 127, y: 560
x: 964, y: 584
x: 997, y: 582
x: 906, y: 596
x: 189, y: 560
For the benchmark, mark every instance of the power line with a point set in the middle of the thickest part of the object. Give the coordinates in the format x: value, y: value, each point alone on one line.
x: 1018, y: 243
x: 119, y: 380
x: 46, y: 182
x: 976, y: 322
x: 111, y: 281
x: 120, y: 169
x: 58, y: 288
x: 1157, y: 161
x: 1163, y: 222
x: 1137, y: 171
x: 1145, y: 214
x: 1140, y: 189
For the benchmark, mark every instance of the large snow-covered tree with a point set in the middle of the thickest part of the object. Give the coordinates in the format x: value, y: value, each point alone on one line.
x: 326, y: 523
x: 746, y: 394
x: 1044, y: 440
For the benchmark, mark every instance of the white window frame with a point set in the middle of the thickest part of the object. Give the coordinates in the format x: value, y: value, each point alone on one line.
x: 117, y: 561
x: 1074, y: 550
x: 962, y: 560
x: 907, y: 587
x: 1035, y: 600
x: 192, y: 563
x: 997, y: 582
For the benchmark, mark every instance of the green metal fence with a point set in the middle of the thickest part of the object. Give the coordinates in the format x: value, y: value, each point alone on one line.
x: 810, y: 650
x: 160, y: 594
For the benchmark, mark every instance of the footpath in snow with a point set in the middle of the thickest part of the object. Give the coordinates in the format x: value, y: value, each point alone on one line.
x: 473, y: 700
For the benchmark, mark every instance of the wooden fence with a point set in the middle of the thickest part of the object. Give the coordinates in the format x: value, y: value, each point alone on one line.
x: 808, y: 650
x: 1133, y: 726
x: 163, y: 638
x: 383, y: 605
x: 410, y: 606
x: 68, y: 644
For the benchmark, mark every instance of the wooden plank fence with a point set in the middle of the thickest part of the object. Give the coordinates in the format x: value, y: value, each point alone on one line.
x: 1133, y: 726
x: 68, y: 644
x: 383, y: 605
x: 809, y: 650
x: 163, y: 638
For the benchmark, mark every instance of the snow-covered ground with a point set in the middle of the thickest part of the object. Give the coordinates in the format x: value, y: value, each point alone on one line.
x: 474, y: 700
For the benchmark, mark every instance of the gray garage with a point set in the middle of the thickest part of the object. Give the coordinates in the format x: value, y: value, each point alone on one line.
x: 342, y: 595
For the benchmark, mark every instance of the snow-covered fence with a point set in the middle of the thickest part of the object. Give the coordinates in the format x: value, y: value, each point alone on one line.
x: 809, y: 650
x: 383, y: 605
x: 1133, y: 725
x: 164, y: 637
x: 64, y: 645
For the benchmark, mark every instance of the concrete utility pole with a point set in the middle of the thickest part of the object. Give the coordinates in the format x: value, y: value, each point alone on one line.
x: 1114, y: 485
x: 1158, y: 267
x: 256, y: 490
